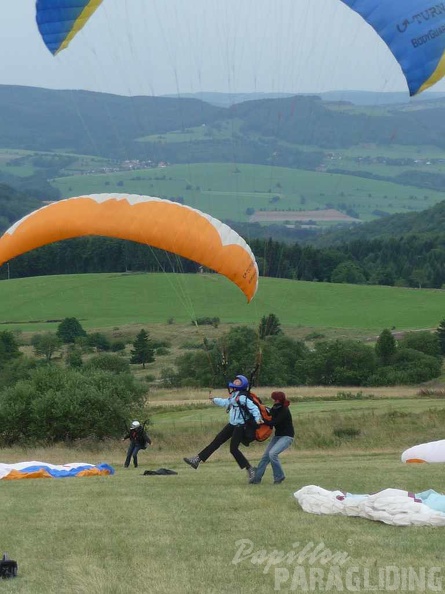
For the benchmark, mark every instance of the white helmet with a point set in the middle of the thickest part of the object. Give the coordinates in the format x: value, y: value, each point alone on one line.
x: 135, y: 424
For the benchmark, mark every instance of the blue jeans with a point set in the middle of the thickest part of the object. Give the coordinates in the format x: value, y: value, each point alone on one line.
x: 133, y: 450
x: 276, y: 445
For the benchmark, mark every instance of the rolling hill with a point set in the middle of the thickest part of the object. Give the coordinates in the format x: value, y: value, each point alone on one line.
x: 279, y: 155
x: 429, y: 222
x: 114, y: 300
x: 110, y: 125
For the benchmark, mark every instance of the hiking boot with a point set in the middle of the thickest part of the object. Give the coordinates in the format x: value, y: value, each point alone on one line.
x: 278, y: 481
x: 193, y: 462
x: 251, y: 474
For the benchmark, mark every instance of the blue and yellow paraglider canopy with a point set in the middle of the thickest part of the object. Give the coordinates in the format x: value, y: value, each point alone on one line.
x: 60, y: 20
x: 414, y: 31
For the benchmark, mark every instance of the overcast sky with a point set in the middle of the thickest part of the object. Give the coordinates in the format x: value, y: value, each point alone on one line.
x: 155, y: 47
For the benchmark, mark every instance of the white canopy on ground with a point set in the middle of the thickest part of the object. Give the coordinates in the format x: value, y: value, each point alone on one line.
x: 391, y: 506
x: 433, y: 451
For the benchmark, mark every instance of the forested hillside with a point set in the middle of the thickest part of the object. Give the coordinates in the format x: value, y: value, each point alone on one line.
x: 91, y: 123
x: 84, y: 136
x: 408, y: 260
x: 110, y: 125
x: 14, y: 205
x: 427, y: 223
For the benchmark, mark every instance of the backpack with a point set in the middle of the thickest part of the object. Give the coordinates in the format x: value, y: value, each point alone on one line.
x: 254, y: 432
x: 8, y: 568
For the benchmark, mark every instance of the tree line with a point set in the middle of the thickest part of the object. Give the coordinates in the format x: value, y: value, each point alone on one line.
x: 89, y: 393
x: 407, y: 261
x: 282, y: 360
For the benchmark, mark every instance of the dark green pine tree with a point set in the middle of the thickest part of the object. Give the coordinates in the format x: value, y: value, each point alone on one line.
x: 142, y: 351
x: 386, y: 346
x: 9, y: 349
x: 441, y: 336
x: 269, y: 326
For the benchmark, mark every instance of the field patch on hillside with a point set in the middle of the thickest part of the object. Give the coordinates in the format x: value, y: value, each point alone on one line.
x: 303, y: 215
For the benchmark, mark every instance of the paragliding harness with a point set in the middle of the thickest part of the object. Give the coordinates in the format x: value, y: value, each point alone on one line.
x: 8, y: 567
x: 252, y: 431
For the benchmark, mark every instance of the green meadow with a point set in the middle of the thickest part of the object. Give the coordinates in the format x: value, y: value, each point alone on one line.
x: 209, y: 531
x: 112, y: 300
x: 226, y: 190
x: 205, y: 531
x: 225, y: 130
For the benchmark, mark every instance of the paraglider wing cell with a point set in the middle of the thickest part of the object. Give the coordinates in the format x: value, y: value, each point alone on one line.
x: 414, y: 31
x: 160, y: 223
x: 60, y: 20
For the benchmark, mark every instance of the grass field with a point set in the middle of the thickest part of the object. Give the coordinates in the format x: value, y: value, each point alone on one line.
x: 226, y: 191
x: 178, y: 534
x: 113, y: 300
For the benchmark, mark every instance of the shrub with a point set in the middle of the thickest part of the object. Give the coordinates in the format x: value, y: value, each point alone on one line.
x: 74, y: 358
x: 425, y: 342
x: 99, y: 341
x: 408, y: 367
x: 337, y: 363
x: 346, y: 432
x: 314, y: 336
x: 156, y: 344
x: 111, y: 363
x: 162, y: 351
x: 62, y: 404
x: 207, y: 322
x: 118, y: 346
x: 431, y: 393
x: 17, y: 369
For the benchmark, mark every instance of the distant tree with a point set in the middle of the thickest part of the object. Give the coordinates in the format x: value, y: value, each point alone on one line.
x: 74, y: 357
x: 337, y: 363
x: 99, y: 341
x: 269, y: 326
x: 9, y: 349
x: 142, y: 351
x: 280, y: 355
x: 425, y: 342
x: 69, y: 329
x: 17, y: 370
x: 118, y: 346
x: 348, y: 272
x: 193, y: 369
x: 419, y: 277
x: 46, y: 344
x: 386, y: 346
x: 440, y: 333
x: 239, y: 347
